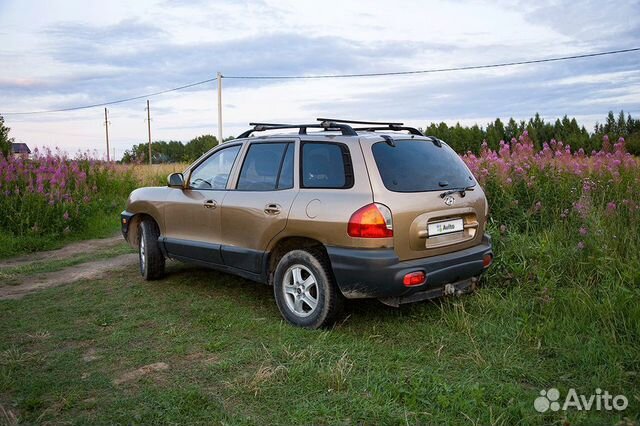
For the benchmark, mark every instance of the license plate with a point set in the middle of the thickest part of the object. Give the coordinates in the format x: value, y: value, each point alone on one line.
x: 445, y: 227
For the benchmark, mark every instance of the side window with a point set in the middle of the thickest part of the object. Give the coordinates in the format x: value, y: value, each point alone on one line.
x: 213, y: 173
x: 286, y: 172
x: 261, y: 167
x: 326, y: 165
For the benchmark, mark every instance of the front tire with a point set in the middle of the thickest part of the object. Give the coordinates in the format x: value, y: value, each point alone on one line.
x: 150, y: 255
x: 305, y: 291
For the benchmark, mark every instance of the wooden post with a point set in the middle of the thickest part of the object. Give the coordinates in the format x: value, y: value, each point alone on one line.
x: 219, y: 107
x: 149, y: 128
x: 106, y: 132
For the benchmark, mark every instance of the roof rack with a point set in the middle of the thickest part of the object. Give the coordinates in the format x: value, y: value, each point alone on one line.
x: 338, y: 120
x: 302, y: 128
x: 376, y: 125
x: 411, y: 130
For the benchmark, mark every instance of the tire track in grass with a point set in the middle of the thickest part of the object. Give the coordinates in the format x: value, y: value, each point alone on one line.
x: 66, y: 252
x: 88, y: 270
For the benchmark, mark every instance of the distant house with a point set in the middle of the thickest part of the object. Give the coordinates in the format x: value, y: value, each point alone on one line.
x: 20, y: 150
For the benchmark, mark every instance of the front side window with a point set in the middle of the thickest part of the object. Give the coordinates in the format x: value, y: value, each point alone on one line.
x: 326, y: 165
x: 267, y: 166
x: 213, y: 173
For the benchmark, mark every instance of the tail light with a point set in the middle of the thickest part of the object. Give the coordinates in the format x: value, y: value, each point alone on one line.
x: 487, y: 260
x: 371, y: 221
x: 414, y: 279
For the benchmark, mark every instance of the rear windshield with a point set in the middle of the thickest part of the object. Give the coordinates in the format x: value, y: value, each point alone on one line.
x: 418, y: 166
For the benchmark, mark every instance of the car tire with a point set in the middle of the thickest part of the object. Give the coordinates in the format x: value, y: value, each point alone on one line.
x: 305, y: 291
x: 149, y: 253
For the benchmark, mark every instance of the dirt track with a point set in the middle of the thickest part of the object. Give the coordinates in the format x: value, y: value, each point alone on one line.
x: 82, y: 247
x: 89, y: 270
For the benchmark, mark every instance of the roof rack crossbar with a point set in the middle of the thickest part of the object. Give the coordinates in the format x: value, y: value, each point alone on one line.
x: 337, y: 120
x: 327, y: 126
x: 411, y: 130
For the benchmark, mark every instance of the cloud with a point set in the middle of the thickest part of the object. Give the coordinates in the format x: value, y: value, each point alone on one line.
x: 120, y: 50
x: 573, y: 88
x: 131, y: 58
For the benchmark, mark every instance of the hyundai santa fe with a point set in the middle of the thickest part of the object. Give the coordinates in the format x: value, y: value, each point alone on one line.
x: 323, y: 212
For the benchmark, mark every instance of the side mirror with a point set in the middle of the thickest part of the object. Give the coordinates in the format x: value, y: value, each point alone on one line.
x: 175, y: 180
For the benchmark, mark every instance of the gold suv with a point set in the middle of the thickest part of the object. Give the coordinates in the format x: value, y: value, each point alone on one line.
x: 337, y: 209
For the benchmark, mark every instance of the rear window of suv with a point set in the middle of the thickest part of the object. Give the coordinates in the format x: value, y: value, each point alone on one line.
x: 419, y: 166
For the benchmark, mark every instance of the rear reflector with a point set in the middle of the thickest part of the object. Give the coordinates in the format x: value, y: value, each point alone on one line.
x: 371, y: 221
x: 414, y: 278
x: 487, y: 259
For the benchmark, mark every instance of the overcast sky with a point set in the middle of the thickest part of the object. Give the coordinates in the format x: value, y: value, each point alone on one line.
x: 59, y: 54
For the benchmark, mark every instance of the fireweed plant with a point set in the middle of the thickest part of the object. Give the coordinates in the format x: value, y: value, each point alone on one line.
x: 576, y: 212
x: 572, y: 215
x: 52, y: 195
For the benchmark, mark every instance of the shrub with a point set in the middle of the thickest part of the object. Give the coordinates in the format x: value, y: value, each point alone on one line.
x: 52, y: 194
x: 577, y: 214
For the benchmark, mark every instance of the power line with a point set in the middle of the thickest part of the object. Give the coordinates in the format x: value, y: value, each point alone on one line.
x: 434, y: 70
x: 119, y: 101
x: 327, y: 76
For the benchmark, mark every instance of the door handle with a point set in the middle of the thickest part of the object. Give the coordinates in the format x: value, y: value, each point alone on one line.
x: 210, y: 204
x: 272, y: 209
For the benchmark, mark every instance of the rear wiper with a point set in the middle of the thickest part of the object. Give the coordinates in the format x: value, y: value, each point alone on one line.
x: 462, y: 191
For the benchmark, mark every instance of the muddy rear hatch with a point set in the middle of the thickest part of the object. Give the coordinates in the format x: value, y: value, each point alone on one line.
x: 436, y: 204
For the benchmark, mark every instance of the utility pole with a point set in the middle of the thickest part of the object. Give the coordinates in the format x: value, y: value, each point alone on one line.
x: 106, y: 131
x: 149, y: 128
x: 219, y: 107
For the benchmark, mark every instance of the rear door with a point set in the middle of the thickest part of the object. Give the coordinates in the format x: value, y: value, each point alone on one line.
x: 412, y: 178
x: 256, y: 210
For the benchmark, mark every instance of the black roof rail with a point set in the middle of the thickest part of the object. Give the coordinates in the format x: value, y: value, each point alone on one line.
x: 411, y: 130
x: 338, y: 120
x: 325, y: 125
x: 375, y: 125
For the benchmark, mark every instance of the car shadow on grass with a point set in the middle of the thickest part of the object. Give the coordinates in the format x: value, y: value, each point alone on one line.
x: 223, y: 285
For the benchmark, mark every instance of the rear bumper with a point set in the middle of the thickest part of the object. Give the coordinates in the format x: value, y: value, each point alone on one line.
x: 378, y: 273
x: 125, y: 219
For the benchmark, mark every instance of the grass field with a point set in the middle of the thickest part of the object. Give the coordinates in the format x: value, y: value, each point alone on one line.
x: 71, y: 355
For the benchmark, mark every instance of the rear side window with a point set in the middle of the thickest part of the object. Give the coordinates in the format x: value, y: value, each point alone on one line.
x: 265, y: 167
x: 418, y: 166
x: 326, y: 165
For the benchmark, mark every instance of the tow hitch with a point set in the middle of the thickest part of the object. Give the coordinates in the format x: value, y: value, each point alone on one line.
x: 453, y: 289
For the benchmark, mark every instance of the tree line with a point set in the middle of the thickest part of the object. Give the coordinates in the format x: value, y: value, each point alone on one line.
x: 171, y: 151
x: 5, y: 140
x: 460, y: 138
x: 470, y: 138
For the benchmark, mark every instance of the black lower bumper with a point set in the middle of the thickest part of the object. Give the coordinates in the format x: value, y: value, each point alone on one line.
x: 378, y: 273
x: 125, y: 219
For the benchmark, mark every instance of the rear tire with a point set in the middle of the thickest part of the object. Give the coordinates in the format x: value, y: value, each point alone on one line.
x: 305, y: 291
x: 149, y: 253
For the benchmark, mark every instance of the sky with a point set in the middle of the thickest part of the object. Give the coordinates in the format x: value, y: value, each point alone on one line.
x: 60, y: 54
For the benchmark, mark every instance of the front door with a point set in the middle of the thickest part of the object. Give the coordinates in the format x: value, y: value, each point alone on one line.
x: 257, y: 210
x: 192, y: 215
